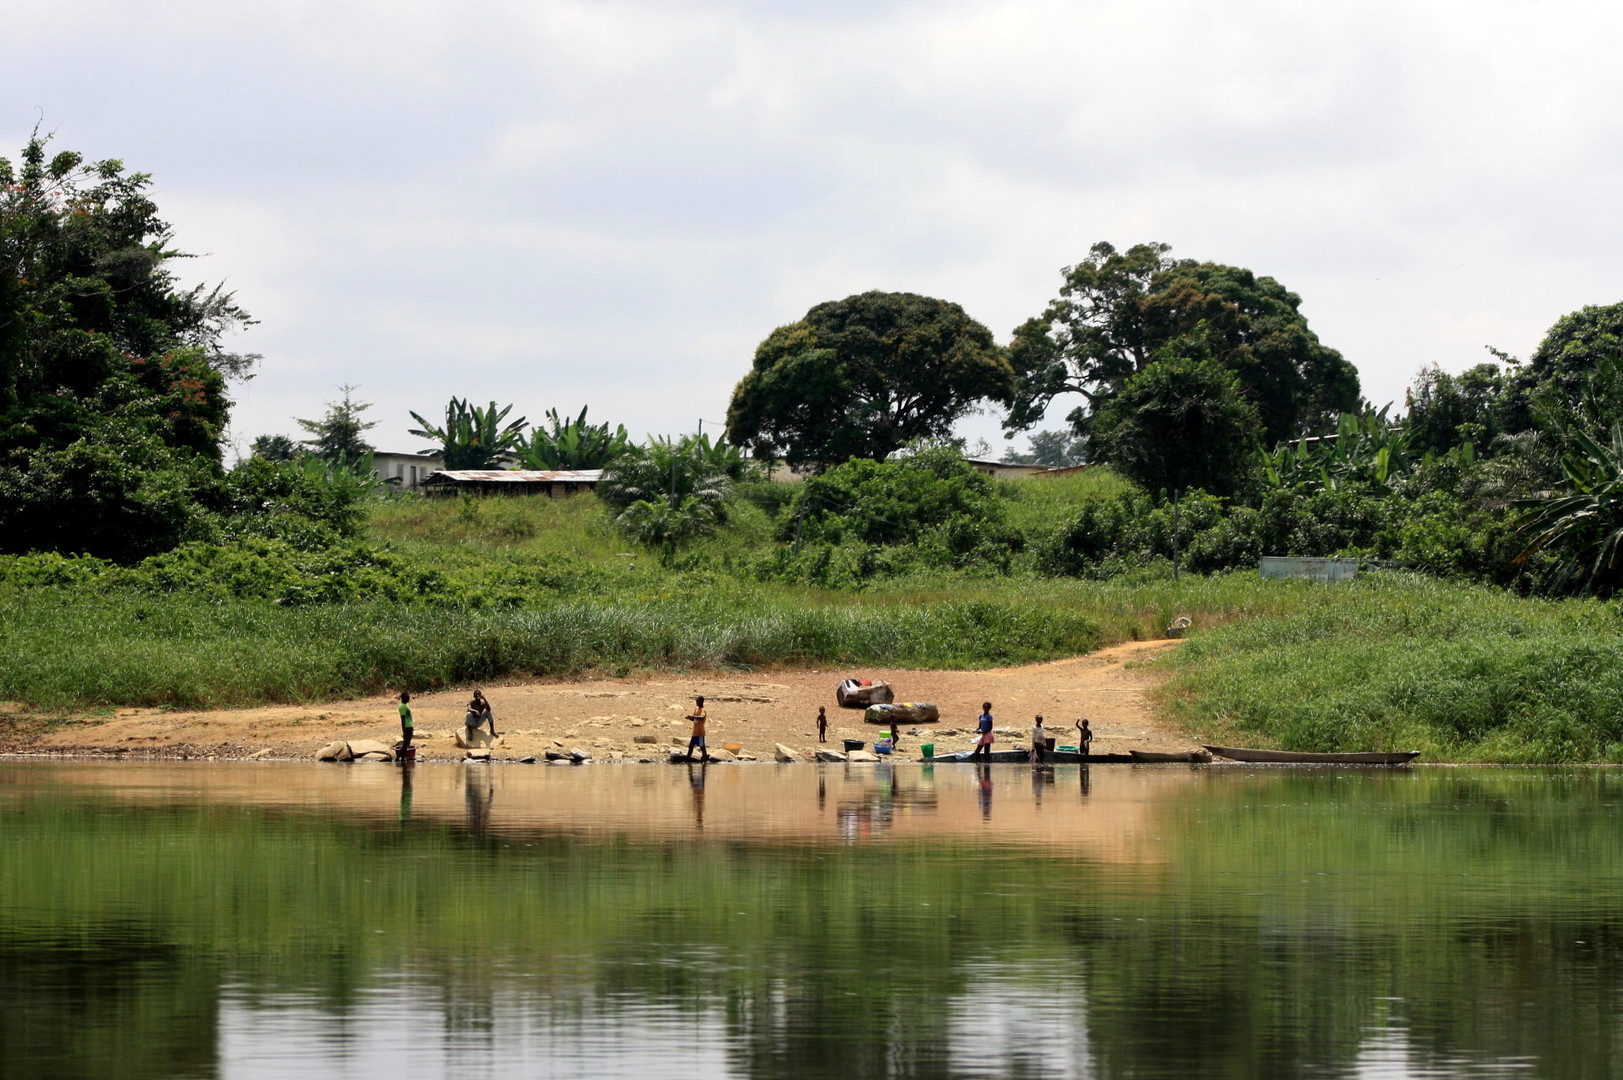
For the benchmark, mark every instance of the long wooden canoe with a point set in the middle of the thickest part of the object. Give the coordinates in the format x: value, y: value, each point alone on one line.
x: 1022, y: 757
x: 1151, y: 756
x: 1295, y: 757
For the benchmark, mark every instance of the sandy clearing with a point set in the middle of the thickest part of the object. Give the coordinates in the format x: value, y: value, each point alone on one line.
x: 603, y: 716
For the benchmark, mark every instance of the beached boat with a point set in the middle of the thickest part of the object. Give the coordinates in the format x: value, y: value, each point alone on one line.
x: 1294, y: 757
x: 1023, y: 757
x: 1148, y: 757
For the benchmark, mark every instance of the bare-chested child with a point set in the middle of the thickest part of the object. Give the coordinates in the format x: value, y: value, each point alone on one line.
x: 698, y: 717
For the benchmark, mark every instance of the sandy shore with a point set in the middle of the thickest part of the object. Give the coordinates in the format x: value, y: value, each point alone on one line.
x: 604, y: 717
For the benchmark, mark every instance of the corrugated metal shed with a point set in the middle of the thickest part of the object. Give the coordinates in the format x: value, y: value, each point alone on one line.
x: 1291, y: 566
x: 553, y: 482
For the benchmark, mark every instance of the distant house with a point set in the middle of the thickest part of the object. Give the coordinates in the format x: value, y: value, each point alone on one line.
x: 409, y: 470
x: 553, y: 483
x: 1004, y: 470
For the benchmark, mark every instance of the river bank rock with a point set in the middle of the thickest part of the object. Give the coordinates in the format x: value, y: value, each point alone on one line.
x: 477, y: 755
x: 782, y: 753
x: 830, y: 755
x: 866, y: 757
x: 334, y: 751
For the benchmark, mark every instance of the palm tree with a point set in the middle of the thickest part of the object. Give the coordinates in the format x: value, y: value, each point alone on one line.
x: 472, y: 438
x: 1583, y: 520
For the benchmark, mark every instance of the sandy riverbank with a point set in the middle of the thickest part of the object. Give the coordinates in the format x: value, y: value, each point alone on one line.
x: 604, y: 716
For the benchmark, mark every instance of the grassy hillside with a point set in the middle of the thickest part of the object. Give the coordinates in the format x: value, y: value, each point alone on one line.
x: 450, y: 592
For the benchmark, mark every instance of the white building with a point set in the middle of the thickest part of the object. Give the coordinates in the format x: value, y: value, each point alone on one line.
x: 410, y: 470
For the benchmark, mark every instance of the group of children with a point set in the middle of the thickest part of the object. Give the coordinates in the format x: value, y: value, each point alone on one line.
x: 1039, y: 737
x: 479, y: 715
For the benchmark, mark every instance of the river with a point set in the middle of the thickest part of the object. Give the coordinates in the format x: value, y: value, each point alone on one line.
x: 247, y: 920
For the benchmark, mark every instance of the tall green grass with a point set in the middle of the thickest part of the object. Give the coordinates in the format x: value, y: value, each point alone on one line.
x: 1461, y: 673
x: 74, y: 649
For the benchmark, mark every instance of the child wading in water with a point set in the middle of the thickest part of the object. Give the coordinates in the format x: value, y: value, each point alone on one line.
x: 698, y: 717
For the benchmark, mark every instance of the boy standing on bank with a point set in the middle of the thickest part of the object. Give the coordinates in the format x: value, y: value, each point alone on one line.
x: 822, y: 723
x: 698, y: 717
x: 405, y: 727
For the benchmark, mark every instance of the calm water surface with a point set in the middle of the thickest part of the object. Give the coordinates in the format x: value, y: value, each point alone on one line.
x: 273, y: 920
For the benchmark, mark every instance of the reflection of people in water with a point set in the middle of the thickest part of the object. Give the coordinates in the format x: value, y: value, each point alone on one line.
x: 985, y: 777
x: 822, y: 791
x: 696, y: 786
x: 405, y: 791
x: 1040, y: 778
x: 1087, y: 785
x: 480, y: 790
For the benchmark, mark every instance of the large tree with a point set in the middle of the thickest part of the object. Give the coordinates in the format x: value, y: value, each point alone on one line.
x: 1181, y: 423
x: 863, y: 376
x: 112, y: 375
x: 1117, y: 311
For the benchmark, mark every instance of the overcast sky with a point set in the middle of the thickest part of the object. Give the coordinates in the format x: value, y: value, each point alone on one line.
x: 568, y: 203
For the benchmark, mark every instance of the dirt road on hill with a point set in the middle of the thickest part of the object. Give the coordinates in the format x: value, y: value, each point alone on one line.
x: 604, y: 716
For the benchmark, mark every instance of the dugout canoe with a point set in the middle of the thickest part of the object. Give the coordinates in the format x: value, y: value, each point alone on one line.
x: 1294, y: 757
x: 1193, y: 757
x: 1023, y: 757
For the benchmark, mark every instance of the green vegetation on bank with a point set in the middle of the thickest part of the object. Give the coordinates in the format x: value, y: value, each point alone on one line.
x: 1399, y: 662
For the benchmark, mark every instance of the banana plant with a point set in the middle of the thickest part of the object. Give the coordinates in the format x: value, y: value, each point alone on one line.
x: 571, y: 444
x: 1366, y: 449
x: 473, y: 437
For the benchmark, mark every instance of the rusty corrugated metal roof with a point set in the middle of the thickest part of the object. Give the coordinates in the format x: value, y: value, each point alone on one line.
x: 517, y: 476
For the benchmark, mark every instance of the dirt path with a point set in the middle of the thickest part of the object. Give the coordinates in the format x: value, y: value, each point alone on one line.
x: 604, y: 716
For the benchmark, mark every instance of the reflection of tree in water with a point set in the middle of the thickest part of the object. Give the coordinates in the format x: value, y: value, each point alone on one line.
x: 1465, y: 930
x: 120, y: 1001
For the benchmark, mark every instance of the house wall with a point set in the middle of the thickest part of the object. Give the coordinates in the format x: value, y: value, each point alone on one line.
x: 409, y: 469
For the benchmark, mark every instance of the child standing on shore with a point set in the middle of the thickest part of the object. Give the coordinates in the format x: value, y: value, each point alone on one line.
x: 697, y: 740
x: 822, y: 724
x: 983, y: 743
x: 405, y: 726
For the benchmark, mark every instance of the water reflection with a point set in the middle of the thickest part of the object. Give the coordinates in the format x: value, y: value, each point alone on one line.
x: 232, y: 921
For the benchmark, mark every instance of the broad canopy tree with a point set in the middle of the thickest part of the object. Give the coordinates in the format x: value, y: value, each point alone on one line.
x: 864, y: 376
x: 1117, y: 312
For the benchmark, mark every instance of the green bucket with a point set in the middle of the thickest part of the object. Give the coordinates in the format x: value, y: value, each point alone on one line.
x: 929, y: 751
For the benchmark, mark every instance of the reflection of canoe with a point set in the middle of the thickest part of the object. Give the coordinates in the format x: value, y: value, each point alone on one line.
x: 1292, y: 757
x: 1022, y: 757
x: 1148, y: 756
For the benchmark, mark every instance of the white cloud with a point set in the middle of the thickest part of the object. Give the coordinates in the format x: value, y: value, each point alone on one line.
x: 613, y: 202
